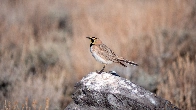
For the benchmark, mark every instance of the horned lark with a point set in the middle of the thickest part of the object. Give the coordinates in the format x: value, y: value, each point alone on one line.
x: 105, y: 55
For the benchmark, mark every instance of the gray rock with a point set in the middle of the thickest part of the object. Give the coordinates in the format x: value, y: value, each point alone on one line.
x: 109, y: 92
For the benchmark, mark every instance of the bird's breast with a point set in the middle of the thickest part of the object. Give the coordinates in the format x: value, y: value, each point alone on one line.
x: 98, y: 57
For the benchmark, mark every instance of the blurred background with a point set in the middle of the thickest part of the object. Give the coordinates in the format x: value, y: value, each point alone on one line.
x: 44, y: 50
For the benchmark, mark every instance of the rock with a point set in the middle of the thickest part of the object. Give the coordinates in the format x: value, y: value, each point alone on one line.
x: 109, y: 92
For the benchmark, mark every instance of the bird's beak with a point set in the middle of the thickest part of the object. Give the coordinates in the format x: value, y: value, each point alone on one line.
x: 88, y: 37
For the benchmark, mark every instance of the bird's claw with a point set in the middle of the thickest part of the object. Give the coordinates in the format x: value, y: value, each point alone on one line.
x: 99, y: 72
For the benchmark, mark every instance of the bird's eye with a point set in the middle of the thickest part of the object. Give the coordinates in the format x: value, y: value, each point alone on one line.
x: 94, y: 38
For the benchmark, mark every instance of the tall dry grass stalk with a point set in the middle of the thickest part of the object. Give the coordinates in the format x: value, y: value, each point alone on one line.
x: 177, y: 83
x: 8, y: 105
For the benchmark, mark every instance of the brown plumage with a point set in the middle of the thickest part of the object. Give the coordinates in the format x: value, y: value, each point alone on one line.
x: 105, y: 55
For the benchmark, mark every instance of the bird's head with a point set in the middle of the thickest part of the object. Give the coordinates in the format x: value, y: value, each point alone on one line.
x: 94, y: 40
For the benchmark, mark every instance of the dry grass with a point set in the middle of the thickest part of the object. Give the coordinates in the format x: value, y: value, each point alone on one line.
x: 7, y: 105
x: 44, y: 52
x: 177, y: 83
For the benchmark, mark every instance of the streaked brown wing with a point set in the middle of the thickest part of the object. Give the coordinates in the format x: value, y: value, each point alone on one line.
x: 107, y: 53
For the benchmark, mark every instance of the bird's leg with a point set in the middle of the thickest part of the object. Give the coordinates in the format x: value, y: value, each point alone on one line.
x: 102, y: 69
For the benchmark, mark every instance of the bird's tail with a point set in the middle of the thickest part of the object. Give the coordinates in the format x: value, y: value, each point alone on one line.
x: 122, y: 61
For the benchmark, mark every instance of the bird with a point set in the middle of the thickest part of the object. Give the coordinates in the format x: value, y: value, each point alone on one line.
x: 105, y: 55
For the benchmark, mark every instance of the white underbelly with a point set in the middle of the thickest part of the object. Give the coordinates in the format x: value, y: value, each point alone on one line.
x: 98, y: 58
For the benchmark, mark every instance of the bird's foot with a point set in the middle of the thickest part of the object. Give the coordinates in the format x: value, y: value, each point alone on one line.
x: 99, y: 72
x: 102, y: 70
